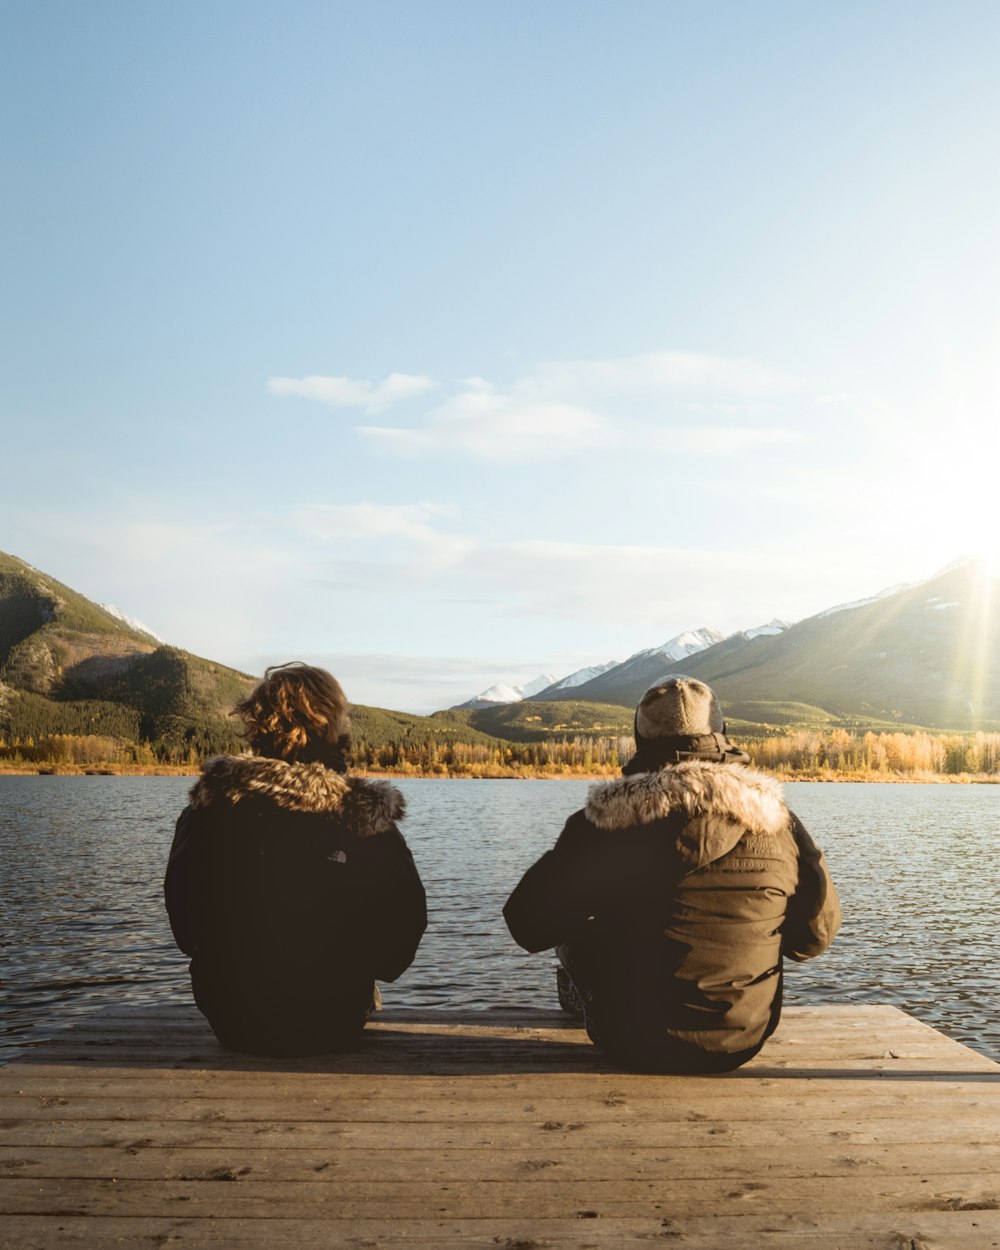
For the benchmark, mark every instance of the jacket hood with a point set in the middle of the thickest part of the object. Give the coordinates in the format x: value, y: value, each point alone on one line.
x: 721, y: 802
x: 369, y: 807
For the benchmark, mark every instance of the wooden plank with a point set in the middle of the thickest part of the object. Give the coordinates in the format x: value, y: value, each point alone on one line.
x: 970, y: 1127
x: 959, y: 1230
x: 488, y: 1163
x: 346, y: 1091
x: 499, y: 1059
x: 563, y: 1198
x: 376, y: 1039
x: 511, y: 1065
x: 667, y: 1098
x: 625, y: 1089
x: 885, y: 1042
x: 840, y: 1022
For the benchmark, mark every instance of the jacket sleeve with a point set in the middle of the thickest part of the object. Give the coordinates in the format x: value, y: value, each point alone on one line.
x: 813, y: 914
x: 560, y: 891
x: 397, y: 905
x: 181, y: 883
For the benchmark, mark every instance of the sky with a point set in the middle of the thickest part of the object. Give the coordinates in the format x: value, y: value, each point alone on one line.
x: 447, y: 343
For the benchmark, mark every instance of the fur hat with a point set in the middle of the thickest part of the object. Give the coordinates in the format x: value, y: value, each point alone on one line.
x: 680, y: 719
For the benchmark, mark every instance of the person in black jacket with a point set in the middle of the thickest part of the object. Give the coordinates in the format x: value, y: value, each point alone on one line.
x: 673, y: 896
x: 289, y: 883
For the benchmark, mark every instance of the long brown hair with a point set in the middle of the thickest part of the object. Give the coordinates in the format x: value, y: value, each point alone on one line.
x: 298, y: 713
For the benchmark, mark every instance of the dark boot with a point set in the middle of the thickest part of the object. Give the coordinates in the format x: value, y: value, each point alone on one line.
x: 569, y: 998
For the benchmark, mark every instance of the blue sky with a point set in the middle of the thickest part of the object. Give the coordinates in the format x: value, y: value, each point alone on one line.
x: 443, y: 343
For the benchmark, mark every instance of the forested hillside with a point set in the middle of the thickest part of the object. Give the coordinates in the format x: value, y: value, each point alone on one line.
x: 926, y: 655
x: 82, y: 690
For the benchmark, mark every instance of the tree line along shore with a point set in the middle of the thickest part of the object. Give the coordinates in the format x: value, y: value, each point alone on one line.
x: 834, y: 755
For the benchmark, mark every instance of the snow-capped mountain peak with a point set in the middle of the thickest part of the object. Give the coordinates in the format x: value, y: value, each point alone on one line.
x: 130, y: 621
x: 863, y: 603
x: 539, y: 684
x: 584, y: 674
x: 500, y: 693
x: 504, y: 692
x: 688, y: 643
x: 768, y: 630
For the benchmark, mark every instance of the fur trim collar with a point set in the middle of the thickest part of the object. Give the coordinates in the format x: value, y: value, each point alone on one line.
x: 740, y: 795
x: 368, y: 806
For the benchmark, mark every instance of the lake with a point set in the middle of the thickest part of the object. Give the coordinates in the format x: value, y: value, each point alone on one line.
x: 83, y: 925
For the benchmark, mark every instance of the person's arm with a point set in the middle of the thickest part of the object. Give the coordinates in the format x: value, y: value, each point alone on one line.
x: 181, y: 883
x: 397, y: 904
x: 561, y: 890
x: 813, y: 915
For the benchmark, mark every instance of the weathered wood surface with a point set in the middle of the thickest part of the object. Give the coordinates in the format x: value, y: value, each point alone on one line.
x: 857, y: 1128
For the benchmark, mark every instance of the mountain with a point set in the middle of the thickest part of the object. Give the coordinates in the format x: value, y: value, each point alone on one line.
x: 771, y: 628
x: 580, y: 676
x: 548, y: 687
x: 131, y: 621
x: 639, y: 670
x: 49, y: 634
x: 70, y: 666
x: 503, y: 693
x: 528, y: 721
x: 924, y: 655
x: 921, y: 655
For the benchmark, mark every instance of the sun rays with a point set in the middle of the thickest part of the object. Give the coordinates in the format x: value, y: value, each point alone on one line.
x: 972, y: 670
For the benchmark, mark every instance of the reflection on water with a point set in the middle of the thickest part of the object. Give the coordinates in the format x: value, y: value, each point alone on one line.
x: 82, y: 859
x: 917, y: 868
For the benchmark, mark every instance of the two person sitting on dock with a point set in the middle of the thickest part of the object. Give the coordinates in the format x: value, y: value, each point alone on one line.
x: 672, y: 897
x: 289, y: 883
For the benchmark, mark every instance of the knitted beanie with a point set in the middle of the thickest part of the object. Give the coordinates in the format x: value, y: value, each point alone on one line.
x: 680, y: 719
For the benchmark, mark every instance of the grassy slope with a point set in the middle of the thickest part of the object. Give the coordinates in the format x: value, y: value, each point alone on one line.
x: 377, y: 725
x: 71, y: 667
x: 49, y: 633
x: 538, y: 722
x: 30, y: 599
x: 927, y: 656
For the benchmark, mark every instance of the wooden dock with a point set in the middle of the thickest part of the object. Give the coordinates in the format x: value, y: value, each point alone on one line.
x: 857, y: 1128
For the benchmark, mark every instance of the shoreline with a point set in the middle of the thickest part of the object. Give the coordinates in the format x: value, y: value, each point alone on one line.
x: 816, y: 775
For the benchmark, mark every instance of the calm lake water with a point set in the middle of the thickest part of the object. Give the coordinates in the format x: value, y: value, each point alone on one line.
x: 82, y: 923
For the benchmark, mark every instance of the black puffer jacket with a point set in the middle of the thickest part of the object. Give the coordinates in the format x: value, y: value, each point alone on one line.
x: 292, y: 890
x: 677, y: 893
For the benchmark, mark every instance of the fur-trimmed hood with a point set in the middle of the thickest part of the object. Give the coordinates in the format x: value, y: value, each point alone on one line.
x: 721, y: 801
x: 369, y: 807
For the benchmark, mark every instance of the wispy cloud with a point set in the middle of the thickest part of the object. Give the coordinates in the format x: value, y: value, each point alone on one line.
x: 366, y: 522
x: 353, y: 392
x: 487, y: 424
x: 561, y: 408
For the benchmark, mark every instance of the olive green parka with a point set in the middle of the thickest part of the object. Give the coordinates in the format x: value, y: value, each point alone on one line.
x: 673, y: 897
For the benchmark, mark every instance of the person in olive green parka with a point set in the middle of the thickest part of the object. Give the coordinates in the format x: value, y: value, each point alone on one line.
x: 674, y: 895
